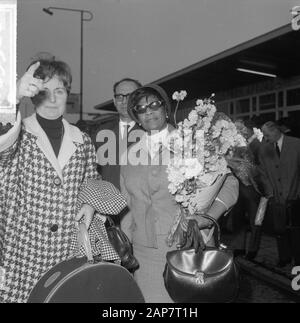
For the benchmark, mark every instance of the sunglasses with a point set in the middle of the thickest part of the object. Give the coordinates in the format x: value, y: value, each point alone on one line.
x: 154, y: 106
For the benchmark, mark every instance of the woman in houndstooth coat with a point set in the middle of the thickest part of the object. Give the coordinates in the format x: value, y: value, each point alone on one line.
x: 48, y: 180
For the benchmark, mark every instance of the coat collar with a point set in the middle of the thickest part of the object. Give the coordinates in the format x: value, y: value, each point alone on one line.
x: 71, y: 136
x: 163, y: 148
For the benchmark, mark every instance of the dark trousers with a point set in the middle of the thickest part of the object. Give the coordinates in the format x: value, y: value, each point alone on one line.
x: 244, y: 214
x: 288, y: 245
x: 286, y: 223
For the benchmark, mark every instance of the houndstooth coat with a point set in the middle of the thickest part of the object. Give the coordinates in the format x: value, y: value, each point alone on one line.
x: 39, y: 198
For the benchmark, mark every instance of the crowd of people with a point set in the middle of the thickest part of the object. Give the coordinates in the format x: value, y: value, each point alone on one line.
x: 54, y: 176
x: 277, y: 177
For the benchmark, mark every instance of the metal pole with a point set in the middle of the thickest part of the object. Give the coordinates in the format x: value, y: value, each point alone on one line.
x: 82, y: 12
x: 81, y: 64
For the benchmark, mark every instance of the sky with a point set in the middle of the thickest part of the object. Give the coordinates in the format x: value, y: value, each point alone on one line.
x: 142, y: 39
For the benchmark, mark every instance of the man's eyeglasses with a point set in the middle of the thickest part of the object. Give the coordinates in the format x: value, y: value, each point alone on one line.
x: 121, y: 97
x: 154, y: 106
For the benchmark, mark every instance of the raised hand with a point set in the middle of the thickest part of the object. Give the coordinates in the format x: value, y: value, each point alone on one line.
x: 28, y: 85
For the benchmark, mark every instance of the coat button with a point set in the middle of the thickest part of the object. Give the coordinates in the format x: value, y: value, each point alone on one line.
x: 54, y: 228
x: 57, y: 181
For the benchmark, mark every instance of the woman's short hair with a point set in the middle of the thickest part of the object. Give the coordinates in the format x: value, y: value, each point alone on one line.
x: 49, y: 69
x: 145, y: 92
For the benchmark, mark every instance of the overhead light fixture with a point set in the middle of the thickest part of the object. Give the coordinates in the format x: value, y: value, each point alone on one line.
x: 255, y: 72
x: 257, y: 63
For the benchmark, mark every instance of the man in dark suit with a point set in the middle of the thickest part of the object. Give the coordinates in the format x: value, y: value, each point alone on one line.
x: 111, y: 139
x: 280, y: 162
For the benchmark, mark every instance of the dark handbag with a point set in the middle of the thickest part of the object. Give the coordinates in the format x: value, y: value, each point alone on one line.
x: 122, y: 245
x: 208, y: 276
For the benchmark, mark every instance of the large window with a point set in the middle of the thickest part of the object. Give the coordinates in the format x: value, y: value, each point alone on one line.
x: 280, y: 99
x: 280, y: 103
x: 293, y: 97
x: 243, y: 106
x: 223, y: 107
x: 267, y: 101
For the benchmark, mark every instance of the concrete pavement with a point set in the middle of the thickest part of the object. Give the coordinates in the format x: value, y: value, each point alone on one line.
x: 264, y: 265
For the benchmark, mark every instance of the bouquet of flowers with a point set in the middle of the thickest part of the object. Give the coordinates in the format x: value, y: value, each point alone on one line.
x: 200, y: 145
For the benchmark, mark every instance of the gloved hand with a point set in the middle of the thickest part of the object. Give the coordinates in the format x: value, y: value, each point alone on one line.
x: 193, y: 236
x: 182, y: 238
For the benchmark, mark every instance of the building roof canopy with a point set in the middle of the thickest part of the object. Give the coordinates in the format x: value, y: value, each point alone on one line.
x: 276, y: 53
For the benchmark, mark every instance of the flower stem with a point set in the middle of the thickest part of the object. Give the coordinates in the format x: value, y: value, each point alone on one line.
x: 175, y: 113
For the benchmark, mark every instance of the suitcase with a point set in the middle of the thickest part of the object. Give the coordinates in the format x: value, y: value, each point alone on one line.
x: 80, y: 280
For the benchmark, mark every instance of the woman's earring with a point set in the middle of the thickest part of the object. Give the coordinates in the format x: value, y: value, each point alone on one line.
x: 167, y: 117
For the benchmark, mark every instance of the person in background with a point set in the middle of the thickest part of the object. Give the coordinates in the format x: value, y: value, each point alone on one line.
x: 121, y: 127
x: 48, y: 182
x: 111, y: 139
x: 244, y: 212
x: 289, y: 126
x: 152, y: 208
x: 280, y: 163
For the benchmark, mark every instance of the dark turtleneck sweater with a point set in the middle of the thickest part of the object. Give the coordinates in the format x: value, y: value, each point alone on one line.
x: 54, y: 130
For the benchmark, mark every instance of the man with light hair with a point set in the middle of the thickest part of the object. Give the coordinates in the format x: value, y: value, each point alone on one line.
x: 280, y: 162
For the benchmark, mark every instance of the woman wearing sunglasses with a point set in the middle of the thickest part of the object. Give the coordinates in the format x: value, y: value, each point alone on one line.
x: 152, y: 207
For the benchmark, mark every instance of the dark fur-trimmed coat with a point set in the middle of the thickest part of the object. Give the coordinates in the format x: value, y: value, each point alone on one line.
x: 39, y: 199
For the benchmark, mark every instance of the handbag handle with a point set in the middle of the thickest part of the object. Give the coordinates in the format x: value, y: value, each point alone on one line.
x: 217, y: 227
x: 111, y: 221
x: 83, y: 239
x: 112, y: 224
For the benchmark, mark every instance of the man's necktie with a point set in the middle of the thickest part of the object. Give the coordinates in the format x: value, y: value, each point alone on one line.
x: 125, y: 131
x: 277, y: 149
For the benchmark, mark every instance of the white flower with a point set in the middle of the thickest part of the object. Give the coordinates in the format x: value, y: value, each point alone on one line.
x: 199, y: 146
x: 179, y: 96
x: 199, y: 102
x: 193, y: 117
x: 193, y: 167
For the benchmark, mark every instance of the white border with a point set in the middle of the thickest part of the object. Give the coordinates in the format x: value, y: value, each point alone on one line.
x: 8, y: 113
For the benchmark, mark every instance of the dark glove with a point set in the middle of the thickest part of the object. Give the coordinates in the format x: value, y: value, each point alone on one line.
x: 193, y: 237
x: 182, y: 239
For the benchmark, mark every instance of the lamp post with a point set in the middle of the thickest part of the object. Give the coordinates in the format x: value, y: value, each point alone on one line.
x: 82, y: 19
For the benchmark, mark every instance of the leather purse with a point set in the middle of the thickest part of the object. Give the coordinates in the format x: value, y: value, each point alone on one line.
x: 122, y: 245
x: 207, y: 276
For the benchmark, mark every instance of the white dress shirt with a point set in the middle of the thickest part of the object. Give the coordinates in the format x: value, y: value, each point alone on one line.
x: 280, y: 142
x: 123, y: 125
x: 156, y: 140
